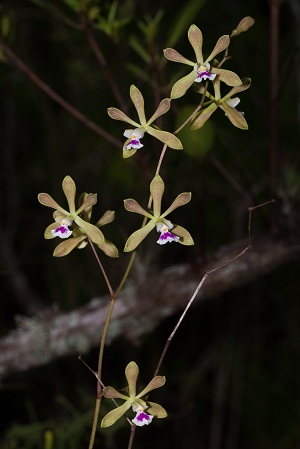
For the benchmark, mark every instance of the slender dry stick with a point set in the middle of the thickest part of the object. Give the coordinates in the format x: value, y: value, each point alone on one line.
x: 201, y: 283
x: 103, y: 63
x: 17, y: 62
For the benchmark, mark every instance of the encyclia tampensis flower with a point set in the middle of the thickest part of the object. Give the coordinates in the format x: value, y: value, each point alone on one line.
x: 134, y: 135
x: 169, y: 232
x: 79, y: 219
x: 144, y: 410
x: 202, y: 68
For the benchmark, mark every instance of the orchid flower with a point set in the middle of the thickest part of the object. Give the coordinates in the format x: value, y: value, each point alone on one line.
x: 134, y: 400
x: 157, y: 219
x: 79, y: 219
x: 227, y: 103
x: 202, y: 69
x: 134, y: 135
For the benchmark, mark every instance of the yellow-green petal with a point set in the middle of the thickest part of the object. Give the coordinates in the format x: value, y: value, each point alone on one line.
x: 202, y: 117
x: 90, y: 230
x: 156, y: 410
x: 115, y: 414
x: 196, y: 40
x: 47, y: 200
x: 228, y: 77
x: 109, y: 249
x: 112, y: 393
x: 222, y: 43
x: 116, y: 114
x: 185, y: 236
x: 182, y: 85
x: 236, y: 118
x: 64, y: 248
x: 165, y: 137
x: 156, y: 382
x: 138, y: 236
x: 173, y: 55
x: 69, y: 189
x: 131, y: 373
x: 133, y: 206
x: 138, y: 101
x: 157, y: 188
x: 163, y: 107
x: 180, y: 200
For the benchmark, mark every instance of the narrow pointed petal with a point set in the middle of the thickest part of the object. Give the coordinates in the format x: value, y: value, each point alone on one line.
x: 236, y: 118
x: 64, y: 248
x: 203, y: 116
x: 48, y: 234
x: 246, y: 83
x: 69, y: 189
x: 138, y: 236
x: 115, y: 414
x: 222, y: 43
x: 89, y: 201
x: 165, y: 137
x: 106, y: 218
x: 156, y: 410
x: 111, y: 393
x: 156, y: 382
x: 131, y: 373
x: 138, y: 101
x: 128, y: 153
x: 173, y: 55
x: 228, y: 77
x: 196, y: 40
x: 181, y: 200
x: 182, y: 85
x: 116, y: 114
x: 133, y: 206
x: 90, y: 230
x: 109, y: 249
x: 163, y: 107
x: 47, y: 200
x: 185, y: 236
x: 157, y: 189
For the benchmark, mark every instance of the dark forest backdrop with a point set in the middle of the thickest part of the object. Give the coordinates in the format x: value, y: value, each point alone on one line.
x: 233, y: 369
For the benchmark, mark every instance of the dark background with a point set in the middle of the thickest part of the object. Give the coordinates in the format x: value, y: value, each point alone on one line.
x: 233, y: 368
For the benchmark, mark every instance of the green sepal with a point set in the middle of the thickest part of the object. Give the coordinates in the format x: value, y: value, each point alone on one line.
x: 64, y: 248
x: 227, y: 76
x: 202, y: 116
x: 90, y: 230
x: 156, y: 410
x: 185, y: 236
x: 196, y: 39
x: 182, y: 85
x: 156, y: 382
x: 180, y: 200
x: 163, y: 107
x: 221, y: 44
x: 165, y: 137
x: 115, y: 414
x: 109, y: 248
x: 236, y: 118
x: 117, y: 114
x: 174, y: 56
x: 112, y: 393
x: 157, y: 189
x: 138, y: 101
x: 138, y: 236
x: 131, y: 373
x: 133, y: 206
x: 46, y: 200
x: 69, y: 189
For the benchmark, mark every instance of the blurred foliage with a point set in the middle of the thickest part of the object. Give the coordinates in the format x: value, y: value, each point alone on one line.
x: 241, y: 351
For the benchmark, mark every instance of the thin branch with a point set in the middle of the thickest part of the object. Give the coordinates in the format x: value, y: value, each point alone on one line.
x: 20, y: 65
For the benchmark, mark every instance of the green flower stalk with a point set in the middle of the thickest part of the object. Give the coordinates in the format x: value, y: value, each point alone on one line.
x: 79, y: 219
x: 227, y: 103
x: 157, y: 219
x: 133, y: 143
x: 202, y: 69
x: 134, y: 400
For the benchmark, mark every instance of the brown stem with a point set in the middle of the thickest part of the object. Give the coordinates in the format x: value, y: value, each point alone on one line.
x: 103, y: 63
x: 52, y: 94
